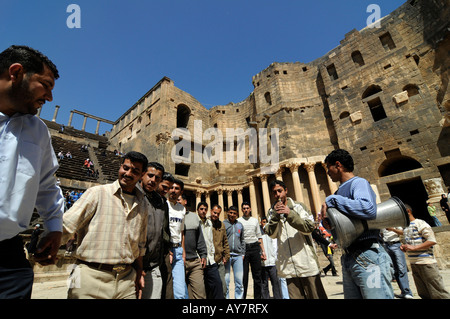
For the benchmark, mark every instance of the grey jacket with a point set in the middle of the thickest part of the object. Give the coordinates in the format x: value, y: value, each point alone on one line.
x: 235, y: 234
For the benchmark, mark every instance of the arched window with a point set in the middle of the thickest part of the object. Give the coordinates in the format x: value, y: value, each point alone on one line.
x: 371, y: 90
x: 344, y: 115
x: 332, y: 72
x: 268, y: 98
x: 183, y: 113
x: 412, y: 89
x: 387, y: 42
x: 358, y: 58
x: 375, y: 104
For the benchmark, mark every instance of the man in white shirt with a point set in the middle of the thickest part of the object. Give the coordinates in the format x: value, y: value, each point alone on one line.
x: 28, y: 164
x: 254, y: 250
x: 176, y: 226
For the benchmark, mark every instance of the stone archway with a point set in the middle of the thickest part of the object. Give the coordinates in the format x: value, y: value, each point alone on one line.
x: 413, y: 193
x: 397, y: 164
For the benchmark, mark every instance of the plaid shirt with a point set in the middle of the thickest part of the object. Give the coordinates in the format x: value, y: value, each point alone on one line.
x: 108, y: 231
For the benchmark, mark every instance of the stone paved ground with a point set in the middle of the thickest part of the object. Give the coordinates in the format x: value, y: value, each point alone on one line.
x: 333, y: 285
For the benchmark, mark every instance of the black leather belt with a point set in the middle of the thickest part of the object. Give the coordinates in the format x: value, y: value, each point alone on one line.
x: 361, y: 245
x: 106, y: 267
x: 392, y: 242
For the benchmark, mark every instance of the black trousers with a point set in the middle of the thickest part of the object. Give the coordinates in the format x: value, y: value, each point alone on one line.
x: 213, y: 283
x: 253, y: 259
x: 266, y: 274
x: 16, y: 274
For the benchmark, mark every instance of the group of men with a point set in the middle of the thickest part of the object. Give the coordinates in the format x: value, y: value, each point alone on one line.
x: 135, y: 237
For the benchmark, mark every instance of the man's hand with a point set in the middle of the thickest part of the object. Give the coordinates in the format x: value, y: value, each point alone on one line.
x: 263, y: 256
x: 323, y: 216
x: 280, y: 208
x: 203, y: 262
x: 139, y: 283
x: 47, y: 249
x: 406, y: 247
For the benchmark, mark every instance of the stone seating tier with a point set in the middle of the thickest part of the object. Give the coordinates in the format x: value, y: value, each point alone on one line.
x: 71, y: 168
x: 108, y: 162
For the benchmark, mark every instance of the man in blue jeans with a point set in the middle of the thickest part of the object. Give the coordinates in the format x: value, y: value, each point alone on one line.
x: 392, y: 245
x: 235, y: 235
x: 366, y: 267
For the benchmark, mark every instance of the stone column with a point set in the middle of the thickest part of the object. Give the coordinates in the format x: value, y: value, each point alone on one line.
x: 207, y: 200
x: 266, y: 194
x: 296, y: 179
x: 435, y: 188
x: 314, y: 189
x: 279, y: 174
x: 230, y: 198
x: 240, y: 199
x: 84, y: 123
x: 253, y: 201
x: 70, y: 119
x: 98, y: 126
x: 55, y: 113
x: 198, y: 197
x: 220, y: 196
x: 331, y: 184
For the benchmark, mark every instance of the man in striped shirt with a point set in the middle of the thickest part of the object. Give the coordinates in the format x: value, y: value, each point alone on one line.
x: 111, y: 224
x: 418, y: 241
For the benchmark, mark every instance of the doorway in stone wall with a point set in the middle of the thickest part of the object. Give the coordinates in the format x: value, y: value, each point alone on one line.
x: 412, y: 192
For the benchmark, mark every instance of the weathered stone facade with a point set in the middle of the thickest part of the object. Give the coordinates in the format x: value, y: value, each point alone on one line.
x: 382, y: 94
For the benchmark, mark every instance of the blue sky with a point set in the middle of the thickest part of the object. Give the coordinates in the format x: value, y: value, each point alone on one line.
x: 209, y: 48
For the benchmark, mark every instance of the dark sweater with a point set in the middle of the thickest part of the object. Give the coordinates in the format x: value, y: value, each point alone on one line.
x: 194, y: 243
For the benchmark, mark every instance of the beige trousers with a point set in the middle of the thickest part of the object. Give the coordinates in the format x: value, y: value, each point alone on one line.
x: 194, y: 279
x: 306, y: 288
x: 90, y: 283
x: 429, y: 282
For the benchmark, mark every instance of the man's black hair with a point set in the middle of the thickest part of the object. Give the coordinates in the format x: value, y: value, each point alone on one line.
x: 179, y: 182
x: 156, y: 166
x: 136, y: 157
x: 202, y: 204
x: 32, y: 60
x: 245, y: 203
x: 341, y: 156
x: 277, y: 182
x: 168, y: 177
x: 233, y: 208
